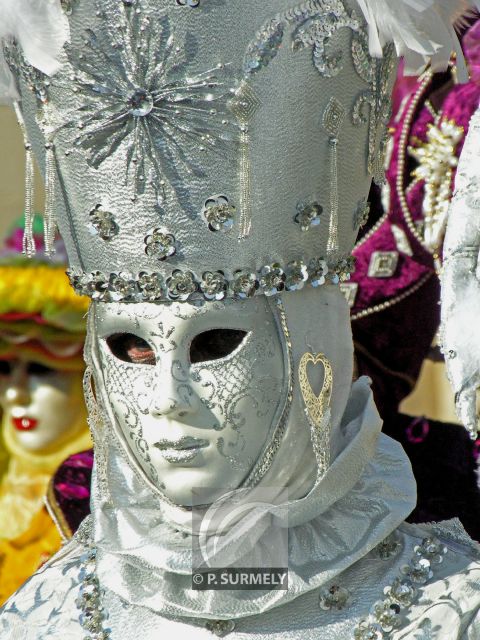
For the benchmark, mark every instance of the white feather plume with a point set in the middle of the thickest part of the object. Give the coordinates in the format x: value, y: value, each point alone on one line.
x: 421, y: 30
x: 40, y: 28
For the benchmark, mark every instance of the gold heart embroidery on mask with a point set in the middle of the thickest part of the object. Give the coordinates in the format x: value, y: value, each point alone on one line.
x: 314, y: 404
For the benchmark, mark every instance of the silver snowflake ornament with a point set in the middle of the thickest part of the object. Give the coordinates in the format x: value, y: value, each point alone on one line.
x: 136, y: 93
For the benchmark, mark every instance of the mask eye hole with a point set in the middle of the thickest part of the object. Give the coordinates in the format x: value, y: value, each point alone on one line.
x: 131, y: 348
x: 38, y: 369
x: 5, y: 368
x: 215, y: 344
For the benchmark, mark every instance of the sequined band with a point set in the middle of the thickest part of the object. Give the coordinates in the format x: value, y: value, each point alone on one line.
x: 184, y: 285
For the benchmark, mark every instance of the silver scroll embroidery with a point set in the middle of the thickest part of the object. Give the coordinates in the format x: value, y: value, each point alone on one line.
x: 373, y: 106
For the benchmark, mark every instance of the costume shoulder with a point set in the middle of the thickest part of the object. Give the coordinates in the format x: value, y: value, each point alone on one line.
x: 449, y: 605
x: 44, y: 607
x: 461, y: 283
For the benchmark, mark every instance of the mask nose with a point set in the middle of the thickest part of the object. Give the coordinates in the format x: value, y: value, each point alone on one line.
x: 16, y: 391
x: 173, y: 396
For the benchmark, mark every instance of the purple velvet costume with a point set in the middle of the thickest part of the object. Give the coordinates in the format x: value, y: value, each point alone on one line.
x: 395, y: 317
x: 69, y: 492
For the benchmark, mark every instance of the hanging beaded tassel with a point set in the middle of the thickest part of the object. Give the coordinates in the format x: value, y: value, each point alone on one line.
x: 333, y: 118
x: 49, y: 220
x: 332, y: 245
x: 28, y: 244
x: 244, y: 105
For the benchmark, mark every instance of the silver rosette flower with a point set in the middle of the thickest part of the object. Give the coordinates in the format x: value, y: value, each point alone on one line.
x: 121, y: 287
x: 103, y: 223
x: 160, y: 245
x: 296, y: 275
x: 387, y: 614
x: 272, y: 279
x: 308, y: 215
x: 244, y: 285
x: 402, y: 592
x: 181, y: 285
x: 368, y: 630
x: 318, y: 270
x: 419, y: 571
x: 219, y: 213
x: 214, y: 285
x: 150, y: 286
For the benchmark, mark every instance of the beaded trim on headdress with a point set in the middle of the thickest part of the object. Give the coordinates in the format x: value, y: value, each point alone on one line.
x: 185, y: 285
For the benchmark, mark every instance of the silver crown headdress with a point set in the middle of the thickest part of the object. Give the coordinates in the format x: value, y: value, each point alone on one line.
x: 208, y: 149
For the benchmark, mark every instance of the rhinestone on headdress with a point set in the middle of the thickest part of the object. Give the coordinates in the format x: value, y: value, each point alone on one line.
x: 308, y: 215
x: 296, y: 275
x: 103, y: 223
x: 214, y: 285
x: 244, y: 285
x: 150, y: 285
x: 160, y: 245
x: 181, y: 285
x: 218, y: 213
x: 272, y: 279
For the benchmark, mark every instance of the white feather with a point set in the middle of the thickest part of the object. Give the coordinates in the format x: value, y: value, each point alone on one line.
x: 40, y: 28
x: 422, y: 30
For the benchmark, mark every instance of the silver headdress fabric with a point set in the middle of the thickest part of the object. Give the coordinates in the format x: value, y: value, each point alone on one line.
x: 207, y: 151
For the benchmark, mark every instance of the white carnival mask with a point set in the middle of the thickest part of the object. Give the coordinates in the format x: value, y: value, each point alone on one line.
x: 195, y: 391
x: 43, y: 408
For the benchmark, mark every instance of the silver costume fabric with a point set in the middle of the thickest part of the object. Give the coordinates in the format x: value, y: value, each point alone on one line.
x: 461, y: 281
x: 448, y: 607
